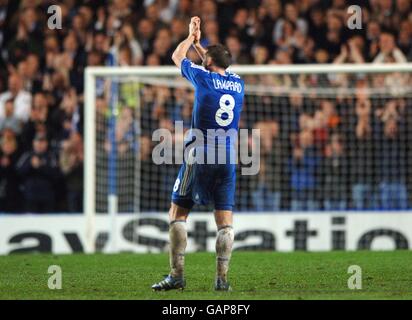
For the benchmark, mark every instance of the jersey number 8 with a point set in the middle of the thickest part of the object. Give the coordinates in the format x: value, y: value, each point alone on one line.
x: 226, y: 103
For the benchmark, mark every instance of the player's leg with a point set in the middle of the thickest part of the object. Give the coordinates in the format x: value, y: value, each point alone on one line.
x: 180, y: 207
x: 224, y: 198
x: 178, y: 239
x: 224, y: 244
x: 178, y: 213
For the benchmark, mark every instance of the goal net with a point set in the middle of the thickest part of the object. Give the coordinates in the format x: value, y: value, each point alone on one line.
x: 332, y: 138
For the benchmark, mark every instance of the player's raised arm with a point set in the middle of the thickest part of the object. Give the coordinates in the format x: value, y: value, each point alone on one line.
x: 180, y: 52
x: 196, y: 43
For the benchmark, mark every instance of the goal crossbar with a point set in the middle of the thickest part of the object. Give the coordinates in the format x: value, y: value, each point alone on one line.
x: 258, y: 69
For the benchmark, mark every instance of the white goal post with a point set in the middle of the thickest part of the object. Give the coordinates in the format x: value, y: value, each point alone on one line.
x: 92, y: 73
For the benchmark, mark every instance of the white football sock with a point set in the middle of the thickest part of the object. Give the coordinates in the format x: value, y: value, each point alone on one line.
x: 224, y: 244
x: 178, y: 241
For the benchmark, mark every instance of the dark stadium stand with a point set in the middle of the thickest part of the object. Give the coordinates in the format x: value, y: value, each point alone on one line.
x: 310, y: 166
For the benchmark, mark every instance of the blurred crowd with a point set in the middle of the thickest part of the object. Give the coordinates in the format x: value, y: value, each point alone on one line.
x: 319, y: 152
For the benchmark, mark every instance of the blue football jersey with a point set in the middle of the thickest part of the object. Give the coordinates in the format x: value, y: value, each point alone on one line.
x: 217, y: 106
x: 218, y: 102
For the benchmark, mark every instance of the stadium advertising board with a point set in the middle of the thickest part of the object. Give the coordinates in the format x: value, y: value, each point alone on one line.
x: 149, y: 232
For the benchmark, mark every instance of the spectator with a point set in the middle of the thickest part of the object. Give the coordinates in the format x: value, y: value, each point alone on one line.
x: 184, y: 9
x: 182, y: 108
x: 235, y: 47
x: 152, y: 13
x: 268, y: 183
x: 38, y: 122
x: 260, y: 55
x: 404, y: 38
x: 10, y: 199
x: 98, y: 42
x: 38, y: 170
x: 167, y: 9
x: 392, y: 156
x: 126, y: 43
x: 210, y: 36
x: 71, y: 165
x: 241, y: 27
x: 149, y: 176
x: 383, y: 12
x: 322, y: 56
x: 22, y: 98
x: 303, y: 167
x: 10, y: 121
x: 335, y: 174
x: 162, y: 46
x: 28, y: 70
x: 362, y: 157
x: 317, y: 25
x: 120, y: 8
x: 288, y: 38
x: 28, y: 36
x: 208, y: 10
x: 351, y: 52
x: 291, y: 17
x: 373, y: 32
x: 178, y: 28
x: 388, y: 50
x: 66, y: 119
x: 334, y: 34
x: 146, y: 35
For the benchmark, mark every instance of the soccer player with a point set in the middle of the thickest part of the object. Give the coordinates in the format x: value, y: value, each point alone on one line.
x: 218, y: 102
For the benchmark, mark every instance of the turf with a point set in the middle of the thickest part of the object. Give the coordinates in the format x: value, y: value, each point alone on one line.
x: 253, y: 275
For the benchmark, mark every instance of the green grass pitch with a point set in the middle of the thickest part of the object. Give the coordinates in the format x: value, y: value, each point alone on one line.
x: 253, y: 275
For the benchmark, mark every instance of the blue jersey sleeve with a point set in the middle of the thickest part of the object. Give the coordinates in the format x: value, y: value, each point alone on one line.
x: 192, y: 71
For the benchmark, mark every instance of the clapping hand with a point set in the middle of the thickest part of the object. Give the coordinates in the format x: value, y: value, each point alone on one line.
x: 194, y: 28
